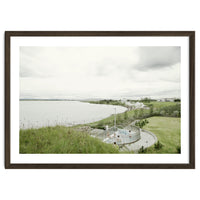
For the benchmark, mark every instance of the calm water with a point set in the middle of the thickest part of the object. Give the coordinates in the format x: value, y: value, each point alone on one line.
x: 49, y: 113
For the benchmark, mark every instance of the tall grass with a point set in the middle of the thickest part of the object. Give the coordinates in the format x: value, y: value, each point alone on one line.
x: 61, y: 140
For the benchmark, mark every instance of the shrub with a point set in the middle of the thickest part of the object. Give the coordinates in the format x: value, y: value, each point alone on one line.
x: 178, y: 148
x: 100, y: 127
x: 162, y: 112
x: 142, y: 123
x: 177, y: 100
x: 156, y: 113
x: 158, y: 145
x: 142, y: 150
x: 176, y: 113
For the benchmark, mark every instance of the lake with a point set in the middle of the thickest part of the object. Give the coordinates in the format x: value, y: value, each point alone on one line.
x: 35, y: 114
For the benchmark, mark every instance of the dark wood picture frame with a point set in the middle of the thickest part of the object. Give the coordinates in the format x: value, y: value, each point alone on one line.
x: 189, y: 34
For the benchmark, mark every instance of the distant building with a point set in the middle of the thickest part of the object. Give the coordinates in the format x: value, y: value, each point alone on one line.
x: 132, y: 106
x: 166, y: 100
x: 139, y: 105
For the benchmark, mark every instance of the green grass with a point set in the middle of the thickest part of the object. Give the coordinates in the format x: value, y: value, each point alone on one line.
x: 61, y: 140
x: 158, y: 104
x: 168, y: 132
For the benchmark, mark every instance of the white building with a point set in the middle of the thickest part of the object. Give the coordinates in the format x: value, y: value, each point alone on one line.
x: 136, y: 105
x: 166, y: 100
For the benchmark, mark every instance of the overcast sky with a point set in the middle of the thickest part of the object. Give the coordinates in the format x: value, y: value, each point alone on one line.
x: 99, y: 72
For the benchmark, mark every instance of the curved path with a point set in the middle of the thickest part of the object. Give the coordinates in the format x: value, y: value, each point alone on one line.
x: 147, y: 140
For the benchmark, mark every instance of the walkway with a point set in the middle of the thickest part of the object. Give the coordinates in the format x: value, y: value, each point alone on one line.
x: 147, y: 140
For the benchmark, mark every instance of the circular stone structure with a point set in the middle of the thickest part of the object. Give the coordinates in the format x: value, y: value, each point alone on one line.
x: 120, y: 136
x: 147, y: 139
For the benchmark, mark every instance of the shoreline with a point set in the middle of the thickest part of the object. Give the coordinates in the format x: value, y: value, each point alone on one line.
x: 72, y: 123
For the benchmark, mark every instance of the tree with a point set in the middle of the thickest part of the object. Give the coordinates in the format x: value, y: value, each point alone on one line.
x: 142, y: 123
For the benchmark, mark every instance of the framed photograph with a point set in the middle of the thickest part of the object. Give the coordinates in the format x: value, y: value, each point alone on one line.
x: 100, y: 99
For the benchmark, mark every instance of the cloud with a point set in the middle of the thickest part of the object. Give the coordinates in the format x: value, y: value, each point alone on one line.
x: 157, y: 57
x: 32, y: 62
x: 102, y: 72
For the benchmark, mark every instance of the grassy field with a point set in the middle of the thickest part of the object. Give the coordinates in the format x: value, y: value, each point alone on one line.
x: 158, y: 104
x: 61, y: 140
x: 167, y: 130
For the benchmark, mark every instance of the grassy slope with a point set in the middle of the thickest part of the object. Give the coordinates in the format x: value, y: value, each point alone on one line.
x: 61, y: 140
x: 167, y: 130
